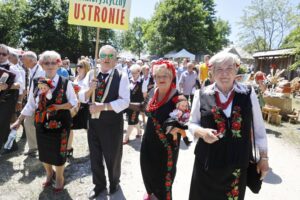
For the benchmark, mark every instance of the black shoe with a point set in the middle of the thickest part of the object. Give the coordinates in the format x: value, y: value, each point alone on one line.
x: 94, y: 193
x: 114, y: 189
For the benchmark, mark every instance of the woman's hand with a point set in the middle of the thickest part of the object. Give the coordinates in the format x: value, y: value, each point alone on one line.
x: 263, y: 168
x: 16, y: 124
x: 93, y: 84
x: 208, y: 135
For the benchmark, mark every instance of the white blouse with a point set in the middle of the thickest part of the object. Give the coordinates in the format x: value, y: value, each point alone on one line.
x: 258, y: 122
x: 32, y: 103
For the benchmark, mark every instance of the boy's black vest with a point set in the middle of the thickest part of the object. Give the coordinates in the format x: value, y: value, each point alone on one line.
x: 228, y: 151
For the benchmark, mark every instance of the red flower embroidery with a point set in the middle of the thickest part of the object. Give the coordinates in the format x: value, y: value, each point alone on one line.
x: 221, y: 125
x: 236, y: 126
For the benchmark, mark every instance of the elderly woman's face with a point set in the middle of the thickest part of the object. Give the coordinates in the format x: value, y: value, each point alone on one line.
x: 163, y: 78
x: 224, y: 74
x: 50, y: 66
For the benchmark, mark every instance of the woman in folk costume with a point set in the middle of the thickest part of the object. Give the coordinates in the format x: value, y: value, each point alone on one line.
x: 221, y: 118
x: 51, y: 98
x: 159, y: 150
x: 136, y: 96
x: 80, y: 113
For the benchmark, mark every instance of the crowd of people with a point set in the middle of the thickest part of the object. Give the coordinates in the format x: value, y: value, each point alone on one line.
x: 49, y: 100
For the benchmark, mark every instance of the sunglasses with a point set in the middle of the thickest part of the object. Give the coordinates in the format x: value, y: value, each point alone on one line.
x: 3, y: 54
x: 80, y: 66
x: 50, y: 63
x: 103, y: 56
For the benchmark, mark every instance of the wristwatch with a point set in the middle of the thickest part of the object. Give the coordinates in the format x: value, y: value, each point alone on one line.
x: 105, y: 107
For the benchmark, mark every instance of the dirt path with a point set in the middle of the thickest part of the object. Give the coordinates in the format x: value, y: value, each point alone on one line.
x: 21, y: 176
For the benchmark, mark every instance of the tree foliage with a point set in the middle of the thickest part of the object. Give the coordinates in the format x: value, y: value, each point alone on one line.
x: 133, y: 39
x: 188, y: 24
x: 265, y: 23
x: 293, y: 40
x: 10, y: 18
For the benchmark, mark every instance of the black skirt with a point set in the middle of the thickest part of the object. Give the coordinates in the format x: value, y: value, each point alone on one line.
x: 132, y: 117
x: 217, y: 184
x: 49, y: 146
x: 80, y: 120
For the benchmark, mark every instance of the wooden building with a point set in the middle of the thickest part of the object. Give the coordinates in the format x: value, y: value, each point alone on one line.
x: 277, y: 59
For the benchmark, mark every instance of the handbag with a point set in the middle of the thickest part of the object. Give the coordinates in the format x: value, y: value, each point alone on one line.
x: 253, y: 178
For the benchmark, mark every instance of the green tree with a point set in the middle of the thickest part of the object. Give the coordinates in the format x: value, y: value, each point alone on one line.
x: 293, y: 40
x: 265, y: 23
x: 133, y: 38
x: 189, y: 24
x: 10, y: 19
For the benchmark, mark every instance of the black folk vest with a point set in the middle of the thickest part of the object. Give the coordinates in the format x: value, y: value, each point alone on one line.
x: 9, y: 95
x: 228, y: 152
x: 136, y: 94
x: 62, y: 115
x: 113, y: 94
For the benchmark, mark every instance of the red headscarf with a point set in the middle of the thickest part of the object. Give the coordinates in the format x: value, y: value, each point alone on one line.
x: 170, y: 66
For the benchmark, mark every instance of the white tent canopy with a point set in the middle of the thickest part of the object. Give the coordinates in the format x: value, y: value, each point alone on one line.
x: 184, y: 54
x: 171, y: 54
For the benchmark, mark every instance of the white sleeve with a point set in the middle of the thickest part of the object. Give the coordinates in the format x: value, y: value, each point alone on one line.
x: 195, y: 117
x: 124, y: 95
x: 258, y: 122
x: 71, y: 95
x: 30, y: 106
x: 18, y: 78
x: 85, y: 87
x: 144, y: 86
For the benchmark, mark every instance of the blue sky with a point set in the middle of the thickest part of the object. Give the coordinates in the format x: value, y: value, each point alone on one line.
x: 230, y: 10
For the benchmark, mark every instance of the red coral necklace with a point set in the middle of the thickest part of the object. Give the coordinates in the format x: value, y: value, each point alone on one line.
x: 154, y: 104
x: 224, y: 105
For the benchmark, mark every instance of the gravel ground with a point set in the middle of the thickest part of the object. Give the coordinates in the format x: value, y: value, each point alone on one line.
x: 21, y: 177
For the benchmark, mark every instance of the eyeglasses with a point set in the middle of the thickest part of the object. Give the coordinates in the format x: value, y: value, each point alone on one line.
x: 3, y: 54
x: 103, y: 56
x: 161, y: 77
x: 227, y: 70
x: 50, y: 63
x: 80, y: 66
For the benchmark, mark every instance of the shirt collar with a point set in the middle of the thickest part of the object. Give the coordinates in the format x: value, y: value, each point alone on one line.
x: 138, y: 80
x: 5, y: 63
x: 237, y: 87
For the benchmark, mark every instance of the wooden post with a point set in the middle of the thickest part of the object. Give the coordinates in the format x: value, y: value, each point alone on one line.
x: 94, y: 116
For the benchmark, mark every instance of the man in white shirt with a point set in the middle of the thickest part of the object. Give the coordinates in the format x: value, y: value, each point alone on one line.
x: 9, y: 92
x: 105, y: 127
x: 29, y: 59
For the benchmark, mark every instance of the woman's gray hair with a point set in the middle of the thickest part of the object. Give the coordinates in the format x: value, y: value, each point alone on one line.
x: 3, y: 46
x: 135, y: 68
x: 31, y: 55
x: 50, y: 55
x: 224, y: 57
x: 108, y: 47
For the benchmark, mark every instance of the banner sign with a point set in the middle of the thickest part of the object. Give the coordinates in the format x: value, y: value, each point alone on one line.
x: 110, y: 14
